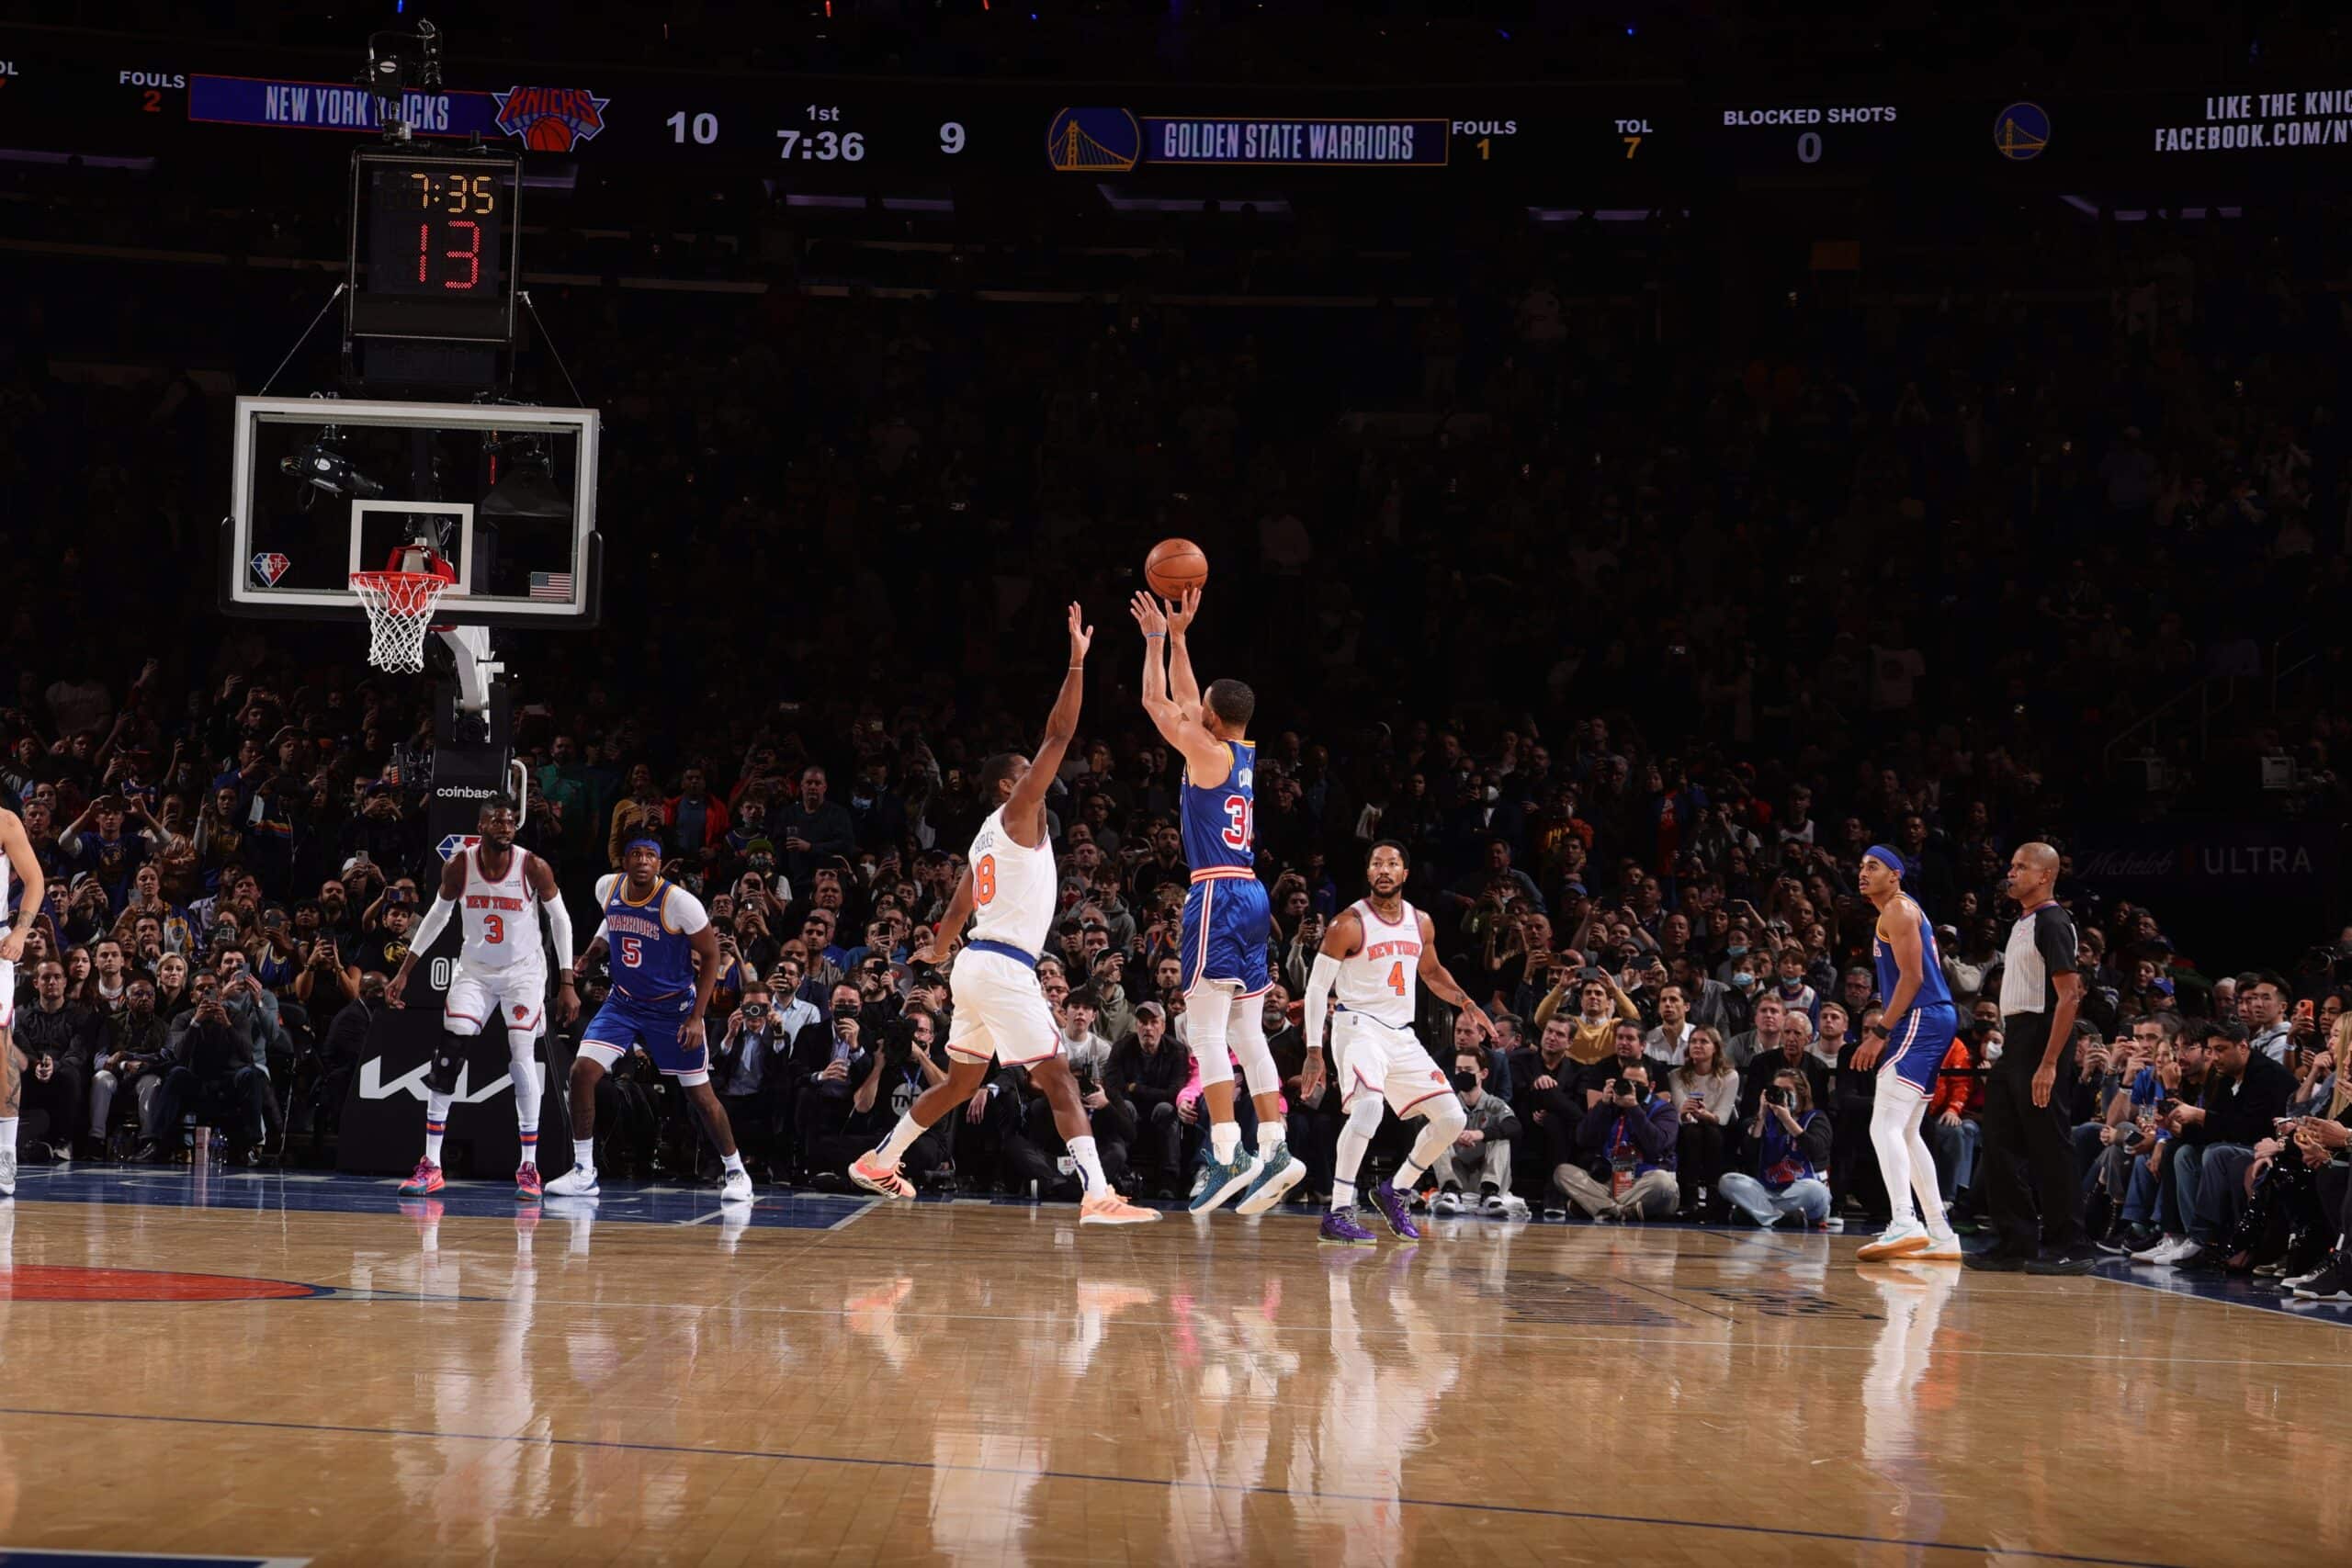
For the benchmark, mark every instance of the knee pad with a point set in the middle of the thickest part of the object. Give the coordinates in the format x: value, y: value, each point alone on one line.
x: 1208, y: 1012
x: 448, y: 1061
x: 1447, y: 1117
x: 1364, y: 1119
x: 1247, y: 1030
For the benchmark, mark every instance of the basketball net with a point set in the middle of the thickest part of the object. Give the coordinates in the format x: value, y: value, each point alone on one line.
x: 400, y: 607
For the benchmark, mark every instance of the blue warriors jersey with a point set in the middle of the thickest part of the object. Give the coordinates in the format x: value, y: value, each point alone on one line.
x: 1221, y: 824
x: 652, y: 957
x: 1933, y: 991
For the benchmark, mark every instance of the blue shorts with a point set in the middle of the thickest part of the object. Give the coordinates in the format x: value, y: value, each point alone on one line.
x: 624, y: 1021
x: 1922, y: 1038
x: 1225, y: 923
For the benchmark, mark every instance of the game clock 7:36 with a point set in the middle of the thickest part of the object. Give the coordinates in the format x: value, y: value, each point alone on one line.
x: 822, y: 135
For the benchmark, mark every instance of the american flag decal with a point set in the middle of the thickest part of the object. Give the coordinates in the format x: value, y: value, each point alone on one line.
x: 551, y: 585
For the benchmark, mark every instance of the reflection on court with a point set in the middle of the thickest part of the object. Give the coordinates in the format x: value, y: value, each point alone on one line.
x: 970, y: 1383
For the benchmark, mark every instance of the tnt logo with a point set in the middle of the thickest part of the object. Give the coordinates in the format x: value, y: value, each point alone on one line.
x: 551, y: 119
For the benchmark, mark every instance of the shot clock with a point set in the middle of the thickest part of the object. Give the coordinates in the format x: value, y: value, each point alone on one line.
x: 436, y: 235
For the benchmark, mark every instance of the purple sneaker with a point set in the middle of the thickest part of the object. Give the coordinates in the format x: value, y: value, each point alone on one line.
x: 1339, y: 1224
x: 1391, y: 1205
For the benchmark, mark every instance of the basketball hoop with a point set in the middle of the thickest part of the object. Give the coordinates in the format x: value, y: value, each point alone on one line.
x: 400, y: 605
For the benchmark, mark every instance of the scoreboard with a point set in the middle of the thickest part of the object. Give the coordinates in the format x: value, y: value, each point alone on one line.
x: 1636, y: 141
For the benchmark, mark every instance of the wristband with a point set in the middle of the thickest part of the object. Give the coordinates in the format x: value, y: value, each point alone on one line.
x: 1880, y: 1031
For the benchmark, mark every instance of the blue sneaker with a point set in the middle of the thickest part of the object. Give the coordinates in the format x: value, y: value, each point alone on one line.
x: 1339, y: 1224
x: 1391, y: 1205
x: 1219, y: 1182
x: 1277, y: 1175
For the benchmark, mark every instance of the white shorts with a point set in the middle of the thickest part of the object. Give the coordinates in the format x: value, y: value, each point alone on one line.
x: 7, y: 996
x: 518, y: 996
x: 1369, y: 1057
x: 1000, y: 1015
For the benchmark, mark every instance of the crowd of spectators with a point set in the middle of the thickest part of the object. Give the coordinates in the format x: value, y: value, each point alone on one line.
x: 1634, y: 626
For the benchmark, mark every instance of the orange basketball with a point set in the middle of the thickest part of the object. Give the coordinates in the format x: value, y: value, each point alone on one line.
x: 1173, y: 566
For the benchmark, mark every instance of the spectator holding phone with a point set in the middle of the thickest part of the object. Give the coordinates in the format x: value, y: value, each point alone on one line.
x: 1705, y: 1091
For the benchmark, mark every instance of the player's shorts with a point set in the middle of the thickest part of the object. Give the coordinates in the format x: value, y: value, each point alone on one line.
x: 1000, y: 1015
x: 518, y: 995
x: 1225, y: 923
x: 1922, y: 1039
x: 7, y: 996
x: 1370, y: 1057
x: 624, y: 1021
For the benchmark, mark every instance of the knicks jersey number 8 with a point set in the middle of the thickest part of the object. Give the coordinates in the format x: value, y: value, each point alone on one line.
x: 984, y: 880
x: 1238, y: 833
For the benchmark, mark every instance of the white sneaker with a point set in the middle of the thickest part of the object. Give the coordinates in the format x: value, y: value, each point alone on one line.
x: 1895, y: 1241
x: 736, y: 1187
x: 1514, y: 1206
x: 2189, y: 1253
x: 580, y: 1181
x: 7, y: 1173
x: 1940, y: 1249
x: 1446, y: 1204
x: 1492, y: 1203
x: 2160, y: 1253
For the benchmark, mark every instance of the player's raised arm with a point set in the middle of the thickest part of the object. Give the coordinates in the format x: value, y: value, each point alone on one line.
x: 1205, y: 757
x: 1061, y: 726
x: 1180, y: 684
x: 1446, y: 988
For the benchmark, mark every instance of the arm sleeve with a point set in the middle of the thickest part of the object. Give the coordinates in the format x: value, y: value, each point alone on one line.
x: 1319, y: 997
x: 436, y: 920
x: 560, y: 931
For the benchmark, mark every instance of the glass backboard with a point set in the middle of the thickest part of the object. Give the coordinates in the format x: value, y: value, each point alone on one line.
x: 325, y: 487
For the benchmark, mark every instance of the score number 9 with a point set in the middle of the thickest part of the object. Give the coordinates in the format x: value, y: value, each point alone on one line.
x: 951, y: 138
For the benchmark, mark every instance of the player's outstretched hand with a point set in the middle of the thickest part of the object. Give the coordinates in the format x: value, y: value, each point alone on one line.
x: 1182, y: 611
x: 1148, y: 614
x: 392, y: 989
x: 1479, y: 1020
x: 1082, y: 636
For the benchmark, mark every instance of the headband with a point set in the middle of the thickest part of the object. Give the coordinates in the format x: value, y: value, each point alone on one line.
x: 1884, y: 856
x: 641, y: 841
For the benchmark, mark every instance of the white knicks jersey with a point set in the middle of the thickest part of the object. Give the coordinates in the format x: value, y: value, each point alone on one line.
x: 501, y: 919
x: 1014, y: 889
x: 1381, y: 978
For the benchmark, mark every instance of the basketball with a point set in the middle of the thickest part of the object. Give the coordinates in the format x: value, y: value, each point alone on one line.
x: 1174, y: 566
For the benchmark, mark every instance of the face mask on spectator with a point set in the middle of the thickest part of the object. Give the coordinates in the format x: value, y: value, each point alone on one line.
x: 1736, y: 949
x: 1743, y: 979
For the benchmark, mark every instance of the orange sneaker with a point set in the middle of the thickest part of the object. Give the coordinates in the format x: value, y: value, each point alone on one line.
x: 876, y: 1177
x: 1107, y: 1208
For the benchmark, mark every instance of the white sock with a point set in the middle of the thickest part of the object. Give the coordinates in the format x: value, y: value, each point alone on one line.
x: 902, y: 1138
x: 583, y: 1154
x: 1344, y: 1194
x: 8, y: 1132
x: 1894, y: 1156
x: 1224, y: 1141
x: 734, y: 1163
x: 1406, y: 1174
x: 1090, y: 1165
x: 525, y: 1072
x: 1270, y: 1138
x: 437, y: 1123
x: 1923, y: 1174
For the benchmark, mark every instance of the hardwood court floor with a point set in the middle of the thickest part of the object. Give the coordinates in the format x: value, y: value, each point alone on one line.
x: 953, y: 1384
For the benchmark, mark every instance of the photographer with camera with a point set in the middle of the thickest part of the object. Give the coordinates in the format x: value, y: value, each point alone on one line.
x: 751, y: 1070
x: 828, y: 1064
x: 1626, y: 1147
x: 1787, y: 1146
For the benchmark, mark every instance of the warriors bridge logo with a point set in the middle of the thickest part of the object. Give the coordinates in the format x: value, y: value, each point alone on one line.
x: 551, y: 119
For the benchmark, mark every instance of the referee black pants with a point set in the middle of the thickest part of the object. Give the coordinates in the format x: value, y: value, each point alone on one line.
x: 2032, y: 1195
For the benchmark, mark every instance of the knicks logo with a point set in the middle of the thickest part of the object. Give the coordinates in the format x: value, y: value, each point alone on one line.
x: 521, y: 1012
x: 551, y: 119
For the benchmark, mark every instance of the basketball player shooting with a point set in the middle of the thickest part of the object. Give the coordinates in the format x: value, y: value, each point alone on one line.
x: 1376, y: 955
x: 1008, y: 893
x: 497, y: 890
x: 1227, y: 916
x: 17, y: 857
x: 1907, y: 1046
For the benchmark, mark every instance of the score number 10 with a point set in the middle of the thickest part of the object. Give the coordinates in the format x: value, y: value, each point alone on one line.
x: 824, y: 145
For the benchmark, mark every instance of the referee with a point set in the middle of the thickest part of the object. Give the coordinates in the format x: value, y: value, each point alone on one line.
x: 2024, y: 1124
